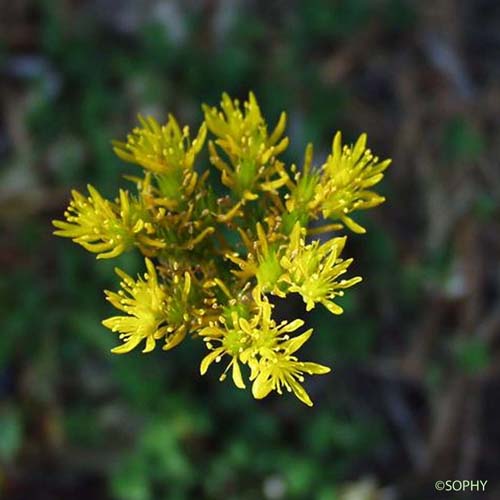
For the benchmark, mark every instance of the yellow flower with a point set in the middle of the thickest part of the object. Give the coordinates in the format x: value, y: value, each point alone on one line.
x: 242, y: 334
x: 107, y: 228
x: 161, y: 148
x: 232, y: 341
x: 153, y: 311
x: 285, y: 371
x: 269, y: 354
x: 184, y: 222
x: 347, y: 175
x: 263, y: 345
x: 243, y: 136
x: 263, y: 332
x: 313, y: 270
x: 265, y: 336
x: 262, y: 261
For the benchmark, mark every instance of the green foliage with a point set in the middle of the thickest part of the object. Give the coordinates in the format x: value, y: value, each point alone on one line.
x: 472, y: 355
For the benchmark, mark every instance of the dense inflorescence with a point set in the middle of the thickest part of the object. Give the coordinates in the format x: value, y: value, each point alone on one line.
x: 215, y: 253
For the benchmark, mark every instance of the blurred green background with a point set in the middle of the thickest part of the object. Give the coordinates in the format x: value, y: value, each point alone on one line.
x: 413, y: 396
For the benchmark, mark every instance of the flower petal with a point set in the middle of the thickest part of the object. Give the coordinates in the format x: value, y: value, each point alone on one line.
x: 300, y: 392
x: 314, y: 368
x: 332, y: 307
x: 150, y: 344
x: 209, y: 359
x: 353, y: 226
x: 133, y: 342
x: 294, y: 344
x: 237, y: 378
x: 292, y: 326
x: 262, y: 385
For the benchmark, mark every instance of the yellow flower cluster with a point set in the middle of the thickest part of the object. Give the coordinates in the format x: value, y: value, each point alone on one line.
x: 254, y: 339
x: 213, y: 260
x: 153, y: 310
x: 106, y: 228
x: 338, y: 188
x: 251, y: 152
